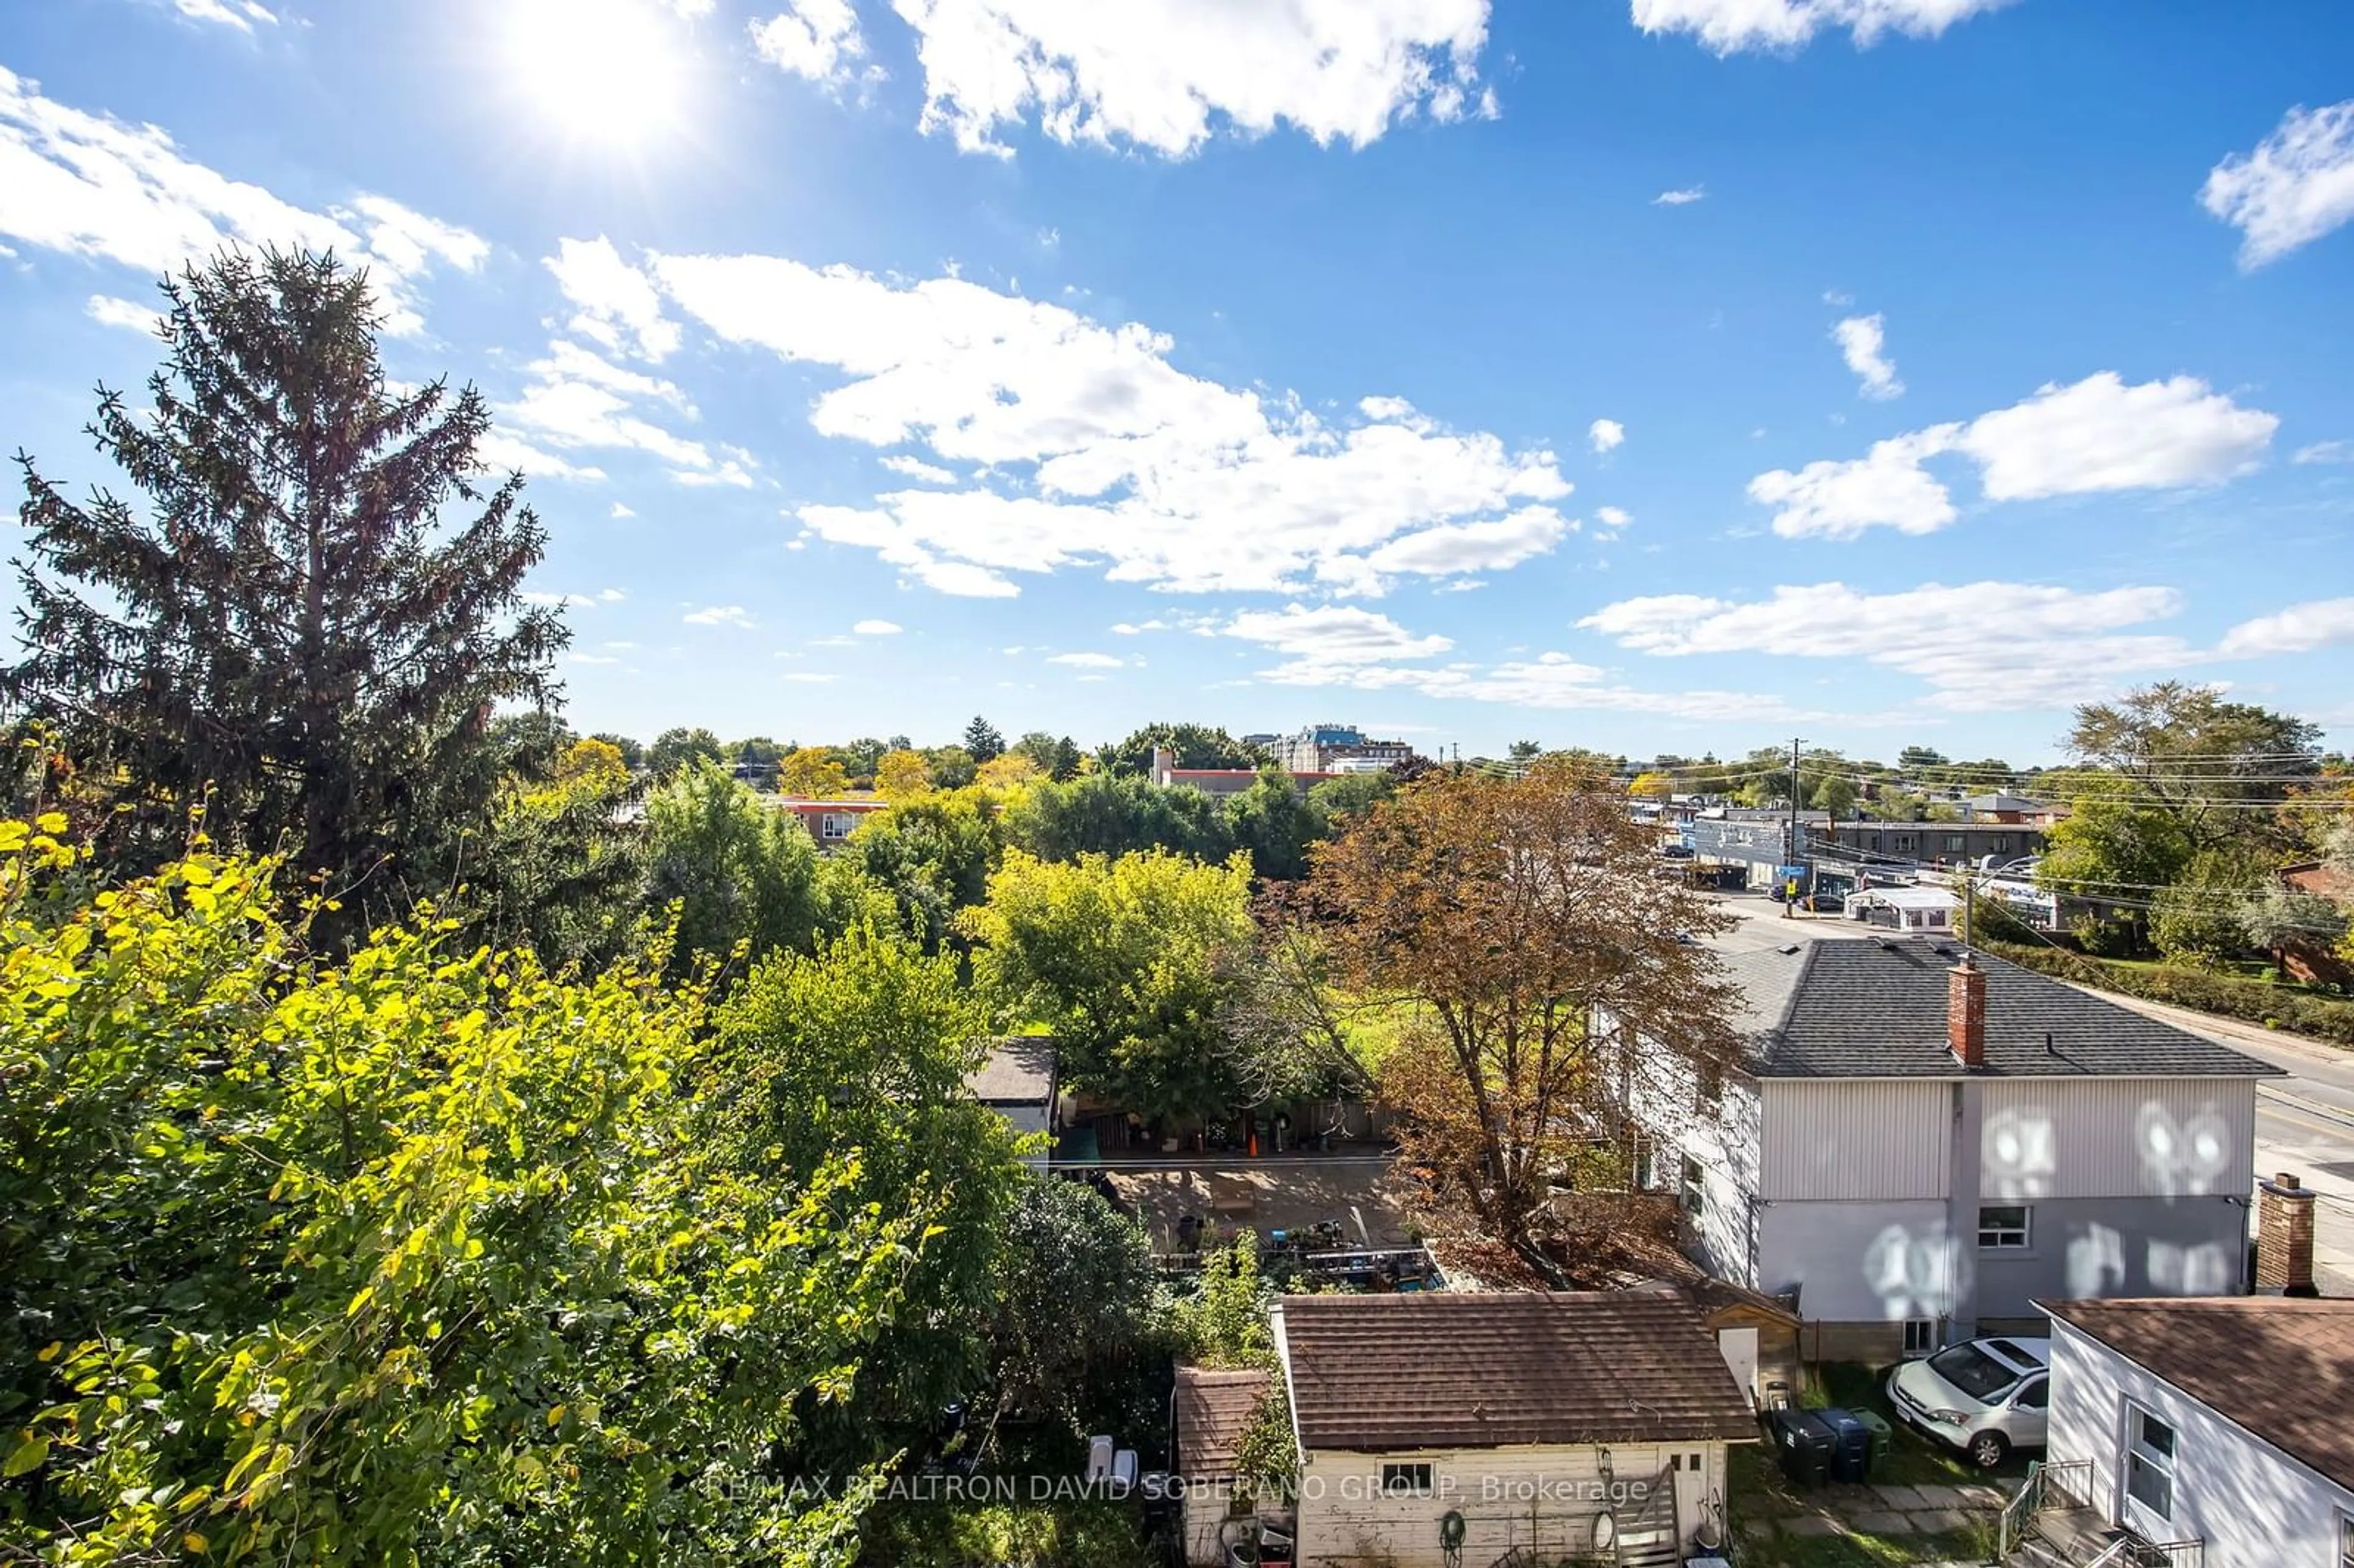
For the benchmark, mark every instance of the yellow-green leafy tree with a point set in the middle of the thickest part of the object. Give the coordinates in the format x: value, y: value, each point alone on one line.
x: 420, y: 1257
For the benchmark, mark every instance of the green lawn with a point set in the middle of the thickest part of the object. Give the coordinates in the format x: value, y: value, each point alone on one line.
x: 1864, y: 1551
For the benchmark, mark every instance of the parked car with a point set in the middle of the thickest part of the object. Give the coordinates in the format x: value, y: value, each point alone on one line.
x: 1824, y: 903
x: 1985, y: 1398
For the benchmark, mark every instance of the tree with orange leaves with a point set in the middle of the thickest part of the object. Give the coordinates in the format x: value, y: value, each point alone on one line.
x: 1517, y: 927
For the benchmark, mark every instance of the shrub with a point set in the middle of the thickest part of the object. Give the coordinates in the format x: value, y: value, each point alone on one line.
x: 2274, y: 1007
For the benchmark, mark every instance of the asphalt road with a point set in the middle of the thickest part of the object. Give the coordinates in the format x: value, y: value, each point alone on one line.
x: 2305, y: 1121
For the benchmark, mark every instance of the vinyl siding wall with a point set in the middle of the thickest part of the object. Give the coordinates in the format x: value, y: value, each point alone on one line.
x: 2253, y: 1506
x: 1856, y: 1140
x: 2116, y: 1137
x: 1508, y: 1497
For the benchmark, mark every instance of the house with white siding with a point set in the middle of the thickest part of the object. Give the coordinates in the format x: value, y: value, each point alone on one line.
x: 2223, y: 1430
x: 1921, y: 1143
x: 1451, y: 1427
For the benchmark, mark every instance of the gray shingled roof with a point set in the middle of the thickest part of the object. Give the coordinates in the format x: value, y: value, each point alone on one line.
x: 1019, y: 1071
x: 1877, y: 1009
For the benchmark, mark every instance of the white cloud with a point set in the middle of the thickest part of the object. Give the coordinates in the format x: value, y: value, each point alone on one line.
x: 613, y: 302
x: 2319, y: 452
x: 92, y: 185
x: 411, y: 243
x: 241, y: 15
x: 1347, y: 647
x: 568, y: 600
x: 808, y: 677
x: 1473, y: 547
x: 816, y: 38
x: 1981, y: 647
x: 1729, y: 26
x: 1606, y: 435
x: 2297, y: 185
x: 1840, y: 500
x: 621, y: 509
x: 1086, y: 660
x: 2299, y: 628
x: 876, y: 629
x: 107, y: 310
x: 1861, y: 341
x: 917, y: 469
x: 498, y: 452
x: 1610, y: 520
x: 576, y: 399
x: 2097, y: 435
x: 734, y: 615
x: 2101, y: 434
x: 1165, y: 74
x: 1095, y: 449
x: 611, y: 596
x: 1334, y: 634
x: 1127, y: 629
x: 1684, y: 197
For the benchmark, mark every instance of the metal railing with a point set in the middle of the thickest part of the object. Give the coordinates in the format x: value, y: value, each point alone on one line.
x: 2065, y: 1480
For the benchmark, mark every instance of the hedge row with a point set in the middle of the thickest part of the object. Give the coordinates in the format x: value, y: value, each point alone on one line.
x: 2255, y: 1001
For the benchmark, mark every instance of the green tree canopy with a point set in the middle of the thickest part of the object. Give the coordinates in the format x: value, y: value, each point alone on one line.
x: 1116, y: 814
x: 860, y: 1052
x: 1192, y: 744
x: 1124, y: 961
x: 674, y: 749
x: 2199, y: 759
x: 1274, y: 826
x: 982, y: 741
x: 933, y: 854
x: 294, y: 626
x: 739, y: 869
x: 421, y: 1259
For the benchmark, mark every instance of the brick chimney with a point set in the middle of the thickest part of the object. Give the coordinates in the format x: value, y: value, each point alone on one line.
x: 1966, y: 1012
x: 2284, y: 1237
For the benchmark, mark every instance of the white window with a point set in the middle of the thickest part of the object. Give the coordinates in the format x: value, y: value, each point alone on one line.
x: 1405, y: 1480
x: 834, y: 825
x: 2004, y: 1227
x: 1695, y: 1192
x: 2149, y: 1462
x: 2346, y: 1540
x: 1920, y: 1336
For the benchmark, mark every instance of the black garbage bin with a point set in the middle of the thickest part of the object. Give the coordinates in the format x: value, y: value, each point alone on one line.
x: 1851, y: 1444
x: 1803, y: 1444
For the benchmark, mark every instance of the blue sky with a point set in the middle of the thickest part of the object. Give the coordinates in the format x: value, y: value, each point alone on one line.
x: 1648, y: 375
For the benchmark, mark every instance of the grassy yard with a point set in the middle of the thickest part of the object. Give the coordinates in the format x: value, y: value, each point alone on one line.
x: 1865, y: 1551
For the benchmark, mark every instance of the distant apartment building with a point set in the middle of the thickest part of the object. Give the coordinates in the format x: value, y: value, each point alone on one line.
x: 1325, y: 747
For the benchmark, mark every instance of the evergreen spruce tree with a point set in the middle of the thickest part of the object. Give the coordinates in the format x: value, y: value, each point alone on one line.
x: 288, y: 625
x: 982, y: 739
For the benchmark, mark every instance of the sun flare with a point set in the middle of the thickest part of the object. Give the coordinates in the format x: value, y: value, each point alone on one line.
x: 600, y: 70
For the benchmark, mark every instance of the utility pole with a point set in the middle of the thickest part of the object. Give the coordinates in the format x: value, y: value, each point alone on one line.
x: 1791, y: 858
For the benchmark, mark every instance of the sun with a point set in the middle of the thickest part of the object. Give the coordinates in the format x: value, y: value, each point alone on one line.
x: 612, y: 71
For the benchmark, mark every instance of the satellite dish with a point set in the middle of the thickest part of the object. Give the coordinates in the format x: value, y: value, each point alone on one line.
x: 1606, y: 1531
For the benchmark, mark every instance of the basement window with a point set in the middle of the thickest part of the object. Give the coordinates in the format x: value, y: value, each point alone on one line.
x: 2004, y: 1227
x: 1920, y: 1336
x: 1405, y: 1480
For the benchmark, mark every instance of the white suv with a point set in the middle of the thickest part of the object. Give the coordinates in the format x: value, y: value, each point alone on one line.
x: 1986, y: 1397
